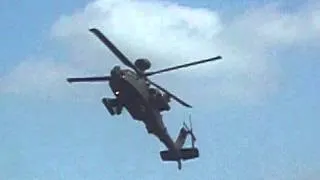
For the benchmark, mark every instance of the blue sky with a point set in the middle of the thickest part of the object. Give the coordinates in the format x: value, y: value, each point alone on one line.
x: 256, y: 114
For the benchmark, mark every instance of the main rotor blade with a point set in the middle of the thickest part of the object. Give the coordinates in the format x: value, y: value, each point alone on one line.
x: 183, y: 66
x: 113, y: 48
x: 171, y: 95
x: 89, y: 79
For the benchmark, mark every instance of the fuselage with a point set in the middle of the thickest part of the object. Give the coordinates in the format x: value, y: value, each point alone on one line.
x: 132, y: 92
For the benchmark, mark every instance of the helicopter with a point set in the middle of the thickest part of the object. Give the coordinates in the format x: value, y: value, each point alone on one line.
x: 132, y: 90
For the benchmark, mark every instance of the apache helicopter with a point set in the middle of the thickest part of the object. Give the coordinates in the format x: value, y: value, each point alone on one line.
x: 132, y: 91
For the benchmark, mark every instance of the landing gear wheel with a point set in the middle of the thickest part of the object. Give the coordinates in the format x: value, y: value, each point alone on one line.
x: 118, y: 109
x: 106, y: 102
x: 179, y: 165
x: 149, y: 129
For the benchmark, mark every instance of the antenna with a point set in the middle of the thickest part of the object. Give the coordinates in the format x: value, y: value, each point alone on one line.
x: 190, y: 121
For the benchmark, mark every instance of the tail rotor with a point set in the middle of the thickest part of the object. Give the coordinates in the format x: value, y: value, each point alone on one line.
x: 190, y: 131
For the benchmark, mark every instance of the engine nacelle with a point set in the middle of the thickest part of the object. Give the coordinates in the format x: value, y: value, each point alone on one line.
x: 142, y: 64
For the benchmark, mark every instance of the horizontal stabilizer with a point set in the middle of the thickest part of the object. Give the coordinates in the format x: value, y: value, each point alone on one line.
x: 186, y: 154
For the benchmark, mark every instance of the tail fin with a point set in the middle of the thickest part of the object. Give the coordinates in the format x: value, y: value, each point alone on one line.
x: 184, y: 131
x: 181, y: 139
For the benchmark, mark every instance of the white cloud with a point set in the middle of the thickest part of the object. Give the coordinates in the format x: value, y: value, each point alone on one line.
x: 168, y: 33
x: 278, y: 27
x: 44, y: 78
x: 42, y: 75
